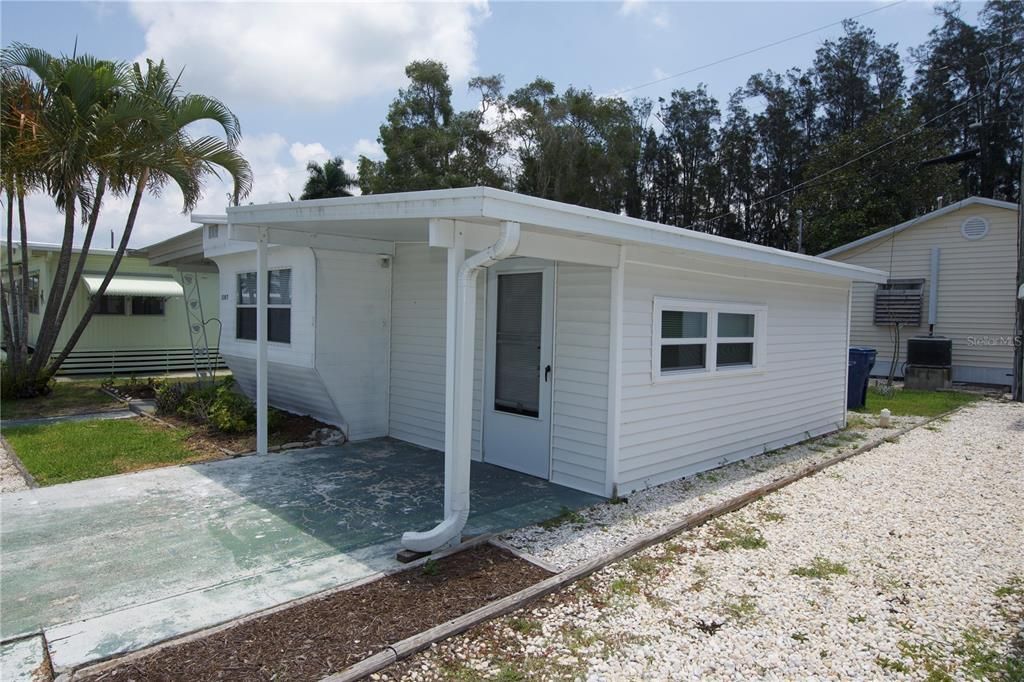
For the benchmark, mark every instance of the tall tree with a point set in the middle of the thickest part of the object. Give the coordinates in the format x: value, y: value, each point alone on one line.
x: 328, y: 179
x: 427, y: 145
x: 576, y: 147
x: 98, y: 127
x: 856, y: 78
x: 688, y: 142
x: 779, y: 156
x: 737, y: 188
x: 878, y: 191
x: 976, y: 73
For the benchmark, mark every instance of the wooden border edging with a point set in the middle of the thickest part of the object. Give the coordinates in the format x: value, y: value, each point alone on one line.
x: 411, y: 645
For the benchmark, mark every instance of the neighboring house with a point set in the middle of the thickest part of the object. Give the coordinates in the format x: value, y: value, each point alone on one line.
x: 141, y: 325
x: 955, y: 271
x: 594, y: 350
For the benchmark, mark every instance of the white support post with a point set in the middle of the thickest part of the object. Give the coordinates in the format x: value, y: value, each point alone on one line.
x: 456, y: 256
x: 262, y: 284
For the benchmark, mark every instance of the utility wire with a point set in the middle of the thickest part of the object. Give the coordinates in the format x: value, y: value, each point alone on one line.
x: 755, y: 49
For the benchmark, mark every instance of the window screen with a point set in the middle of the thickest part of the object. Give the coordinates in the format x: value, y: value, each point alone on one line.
x: 682, y: 324
x: 111, y: 305
x: 704, y: 337
x: 518, y: 341
x: 684, y: 340
x: 279, y: 300
x: 147, y: 305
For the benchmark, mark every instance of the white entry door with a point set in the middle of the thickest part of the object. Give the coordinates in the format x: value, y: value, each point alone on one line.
x: 517, y: 395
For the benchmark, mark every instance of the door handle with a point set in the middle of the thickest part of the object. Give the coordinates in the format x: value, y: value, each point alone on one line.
x: 547, y: 373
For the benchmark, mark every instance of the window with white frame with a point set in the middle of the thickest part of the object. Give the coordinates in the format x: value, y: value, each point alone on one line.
x: 279, y: 306
x: 700, y: 337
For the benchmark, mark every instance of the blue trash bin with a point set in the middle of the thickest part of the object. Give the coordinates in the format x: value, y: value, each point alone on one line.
x: 861, y: 361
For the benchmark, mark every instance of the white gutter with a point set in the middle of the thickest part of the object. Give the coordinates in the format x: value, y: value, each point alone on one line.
x: 457, y: 456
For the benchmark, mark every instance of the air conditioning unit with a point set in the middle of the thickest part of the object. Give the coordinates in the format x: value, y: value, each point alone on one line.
x: 930, y: 351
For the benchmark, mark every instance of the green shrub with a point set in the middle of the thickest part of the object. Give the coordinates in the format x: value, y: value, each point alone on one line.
x: 218, y: 405
x: 231, y: 412
x: 169, y: 397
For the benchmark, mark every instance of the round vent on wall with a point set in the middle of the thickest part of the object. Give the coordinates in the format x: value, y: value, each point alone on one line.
x: 974, y: 227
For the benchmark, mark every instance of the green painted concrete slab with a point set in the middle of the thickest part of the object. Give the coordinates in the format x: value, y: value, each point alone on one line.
x: 22, y: 660
x: 114, y: 564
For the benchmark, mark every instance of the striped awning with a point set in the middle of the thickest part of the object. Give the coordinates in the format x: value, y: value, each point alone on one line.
x: 164, y: 287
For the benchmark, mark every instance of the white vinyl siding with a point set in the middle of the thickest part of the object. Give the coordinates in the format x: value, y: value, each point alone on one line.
x: 671, y: 429
x: 579, y: 439
x: 975, y: 294
x: 580, y: 388
x: 352, y: 337
x: 418, y: 313
x: 416, y: 412
x: 291, y: 388
x: 293, y: 382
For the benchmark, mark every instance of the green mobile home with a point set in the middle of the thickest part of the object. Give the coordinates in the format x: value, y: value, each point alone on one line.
x: 149, y: 321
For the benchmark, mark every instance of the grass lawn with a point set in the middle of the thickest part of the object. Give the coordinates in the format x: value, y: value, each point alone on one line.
x: 68, y: 397
x: 905, y: 403
x: 71, y: 451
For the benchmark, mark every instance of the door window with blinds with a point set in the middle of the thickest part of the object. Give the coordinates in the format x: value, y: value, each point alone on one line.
x: 279, y: 302
x: 700, y: 337
x: 518, y: 343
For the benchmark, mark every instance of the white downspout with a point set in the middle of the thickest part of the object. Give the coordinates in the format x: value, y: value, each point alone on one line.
x: 262, y: 283
x: 459, y: 450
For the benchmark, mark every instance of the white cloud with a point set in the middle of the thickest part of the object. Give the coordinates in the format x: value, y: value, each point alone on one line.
x: 371, y: 149
x: 655, y: 13
x: 308, y: 53
x: 629, y: 7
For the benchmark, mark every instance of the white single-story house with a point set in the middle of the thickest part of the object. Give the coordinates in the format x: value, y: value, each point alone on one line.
x: 954, y: 271
x: 596, y: 351
x: 145, y: 322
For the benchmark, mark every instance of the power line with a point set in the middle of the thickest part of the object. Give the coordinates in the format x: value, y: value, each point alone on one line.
x: 755, y: 49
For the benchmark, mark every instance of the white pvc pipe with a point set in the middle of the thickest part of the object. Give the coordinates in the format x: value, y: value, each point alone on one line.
x: 456, y: 257
x: 459, y: 449
x: 933, y: 289
x: 262, y: 284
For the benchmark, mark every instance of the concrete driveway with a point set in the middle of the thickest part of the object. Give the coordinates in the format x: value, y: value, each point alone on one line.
x: 114, y: 564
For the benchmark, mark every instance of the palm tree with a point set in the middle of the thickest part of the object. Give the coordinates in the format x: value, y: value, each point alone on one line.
x: 18, y: 107
x: 328, y: 180
x: 106, y: 127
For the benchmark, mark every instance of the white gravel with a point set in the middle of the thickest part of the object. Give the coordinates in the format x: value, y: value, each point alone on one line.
x: 926, y: 535
x: 604, y: 527
x: 11, y: 479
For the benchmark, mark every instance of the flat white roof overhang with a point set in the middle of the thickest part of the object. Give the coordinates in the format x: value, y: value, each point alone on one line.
x: 378, y: 221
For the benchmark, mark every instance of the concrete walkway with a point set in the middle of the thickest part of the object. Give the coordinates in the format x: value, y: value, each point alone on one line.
x: 87, y: 416
x: 114, y: 564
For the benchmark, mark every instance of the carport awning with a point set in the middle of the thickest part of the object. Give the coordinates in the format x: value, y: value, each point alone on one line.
x: 164, y: 287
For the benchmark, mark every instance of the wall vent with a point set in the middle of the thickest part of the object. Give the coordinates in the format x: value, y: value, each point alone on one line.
x: 974, y: 228
x: 212, y: 231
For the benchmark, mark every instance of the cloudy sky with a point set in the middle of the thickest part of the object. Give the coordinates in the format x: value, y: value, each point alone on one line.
x: 313, y: 80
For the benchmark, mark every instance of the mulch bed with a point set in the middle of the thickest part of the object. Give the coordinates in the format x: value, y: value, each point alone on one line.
x: 320, y: 637
x: 132, y: 391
